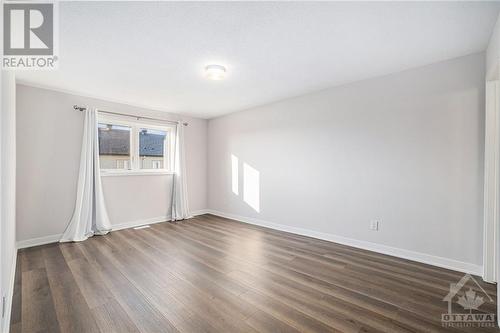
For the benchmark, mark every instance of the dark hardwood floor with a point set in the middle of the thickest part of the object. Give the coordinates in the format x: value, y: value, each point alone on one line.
x: 211, y: 274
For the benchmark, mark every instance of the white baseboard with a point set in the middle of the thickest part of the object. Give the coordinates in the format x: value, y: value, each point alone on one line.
x: 200, y: 212
x: 138, y: 223
x: 380, y: 248
x: 38, y: 241
x: 5, y: 324
x: 153, y: 220
x: 119, y: 226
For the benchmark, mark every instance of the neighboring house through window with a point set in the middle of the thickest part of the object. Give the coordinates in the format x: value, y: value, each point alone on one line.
x: 127, y: 146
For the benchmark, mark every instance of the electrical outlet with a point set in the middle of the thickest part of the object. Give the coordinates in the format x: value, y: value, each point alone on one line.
x: 374, y: 225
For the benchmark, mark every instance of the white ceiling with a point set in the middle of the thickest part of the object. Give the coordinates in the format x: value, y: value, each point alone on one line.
x: 153, y: 53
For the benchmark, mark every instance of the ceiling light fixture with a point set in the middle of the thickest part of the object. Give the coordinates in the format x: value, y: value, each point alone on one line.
x: 215, y: 72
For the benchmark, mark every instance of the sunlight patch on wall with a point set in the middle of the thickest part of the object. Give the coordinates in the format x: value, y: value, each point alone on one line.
x: 251, y: 187
x: 234, y: 174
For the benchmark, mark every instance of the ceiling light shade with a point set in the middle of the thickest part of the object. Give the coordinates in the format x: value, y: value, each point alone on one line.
x: 215, y: 72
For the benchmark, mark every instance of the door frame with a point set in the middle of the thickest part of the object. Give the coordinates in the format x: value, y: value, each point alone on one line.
x: 491, y: 182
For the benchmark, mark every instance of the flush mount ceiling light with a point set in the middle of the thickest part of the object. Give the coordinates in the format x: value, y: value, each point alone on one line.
x: 215, y: 72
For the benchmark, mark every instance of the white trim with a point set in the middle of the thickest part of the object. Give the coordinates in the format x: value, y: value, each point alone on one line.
x: 153, y: 220
x: 138, y: 223
x: 38, y: 241
x: 491, y: 181
x: 114, y: 227
x: 200, y: 212
x: 10, y: 294
x: 380, y: 248
x: 142, y: 227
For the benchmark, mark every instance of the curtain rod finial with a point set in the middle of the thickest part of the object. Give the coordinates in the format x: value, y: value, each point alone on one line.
x: 79, y: 108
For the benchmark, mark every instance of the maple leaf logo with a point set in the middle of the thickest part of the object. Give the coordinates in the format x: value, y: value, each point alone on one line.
x: 470, y: 301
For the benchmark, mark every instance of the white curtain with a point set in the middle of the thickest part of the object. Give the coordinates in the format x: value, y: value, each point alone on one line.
x: 180, y: 209
x: 90, y: 216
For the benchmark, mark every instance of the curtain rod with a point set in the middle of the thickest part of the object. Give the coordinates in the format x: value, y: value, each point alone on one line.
x: 81, y: 108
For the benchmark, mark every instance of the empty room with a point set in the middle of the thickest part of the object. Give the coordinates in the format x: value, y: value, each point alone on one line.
x: 250, y: 166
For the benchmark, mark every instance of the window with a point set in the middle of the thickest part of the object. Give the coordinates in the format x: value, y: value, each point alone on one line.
x: 127, y: 146
x: 114, y: 146
x: 152, y: 145
x: 157, y: 164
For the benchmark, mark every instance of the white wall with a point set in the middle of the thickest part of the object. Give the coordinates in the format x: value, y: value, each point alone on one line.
x: 405, y: 148
x: 7, y: 189
x: 48, y: 147
x: 493, y: 53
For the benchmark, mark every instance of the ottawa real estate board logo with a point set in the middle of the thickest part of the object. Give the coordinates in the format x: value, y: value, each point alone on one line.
x: 29, y: 35
x: 469, y: 305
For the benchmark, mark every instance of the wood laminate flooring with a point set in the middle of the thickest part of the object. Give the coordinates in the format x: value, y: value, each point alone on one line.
x: 211, y: 274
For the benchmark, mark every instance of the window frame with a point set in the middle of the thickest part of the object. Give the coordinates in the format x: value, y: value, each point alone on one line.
x: 135, y: 159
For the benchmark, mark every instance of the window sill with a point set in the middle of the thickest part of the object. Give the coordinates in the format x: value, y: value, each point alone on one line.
x: 134, y: 173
